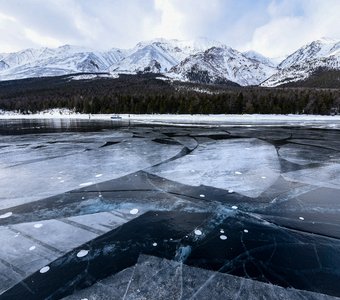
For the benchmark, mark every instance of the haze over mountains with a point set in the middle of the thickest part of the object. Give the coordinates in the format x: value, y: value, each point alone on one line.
x: 199, y: 60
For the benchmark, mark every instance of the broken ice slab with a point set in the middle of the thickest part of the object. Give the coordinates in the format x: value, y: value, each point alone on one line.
x: 41, y: 179
x: 327, y: 175
x: 305, y: 154
x: 27, y: 247
x: 109, y: 254
x: 247, y: 166
x: 157, y: 278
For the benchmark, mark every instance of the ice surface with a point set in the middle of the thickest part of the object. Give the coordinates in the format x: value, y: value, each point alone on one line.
x: 226, y: 165
x: 252, y: 185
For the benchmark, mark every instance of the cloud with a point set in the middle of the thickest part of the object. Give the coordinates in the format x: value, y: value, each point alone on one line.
x: 272, y: 27
x: 295, y: 23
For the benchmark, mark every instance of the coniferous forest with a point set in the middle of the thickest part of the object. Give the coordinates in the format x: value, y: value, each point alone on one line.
x: 146, y: 93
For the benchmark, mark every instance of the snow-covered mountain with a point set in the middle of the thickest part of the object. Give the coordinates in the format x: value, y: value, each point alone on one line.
x: 59, y: 61
x: 160, y: 55
x: 323, y: 53
x: 195, y: 60
x: 221, y: 64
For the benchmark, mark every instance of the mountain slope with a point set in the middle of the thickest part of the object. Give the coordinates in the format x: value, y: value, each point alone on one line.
x: 300, y: 65
x: 220, y: 64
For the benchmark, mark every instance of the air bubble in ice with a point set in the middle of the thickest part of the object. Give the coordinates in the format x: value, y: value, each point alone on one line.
x: 86, y: 183
x: 82, y: 253
x: 6, y: 215
x: 134, y: 211
x: 44, y: 269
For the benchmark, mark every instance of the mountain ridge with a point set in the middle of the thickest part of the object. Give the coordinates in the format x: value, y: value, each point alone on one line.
x: 199, y: 60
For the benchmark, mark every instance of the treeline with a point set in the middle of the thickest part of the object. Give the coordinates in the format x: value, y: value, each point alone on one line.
x: 141, y: 94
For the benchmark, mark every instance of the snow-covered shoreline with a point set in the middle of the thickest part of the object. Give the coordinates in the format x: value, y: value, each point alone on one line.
x: 221, y: 119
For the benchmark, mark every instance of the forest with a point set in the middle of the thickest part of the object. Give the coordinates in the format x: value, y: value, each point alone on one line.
x: 150, y: 93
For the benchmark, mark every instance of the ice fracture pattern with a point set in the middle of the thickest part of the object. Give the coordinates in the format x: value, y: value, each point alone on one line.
x: 108, y: 210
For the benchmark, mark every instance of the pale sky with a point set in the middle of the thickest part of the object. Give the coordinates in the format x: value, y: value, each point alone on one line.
x: 271, y: 27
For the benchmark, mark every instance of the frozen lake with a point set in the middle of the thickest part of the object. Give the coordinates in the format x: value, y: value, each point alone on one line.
x: 98, y: 209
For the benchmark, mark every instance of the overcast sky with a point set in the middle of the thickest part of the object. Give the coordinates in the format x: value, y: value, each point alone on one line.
x: 271, y: 27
